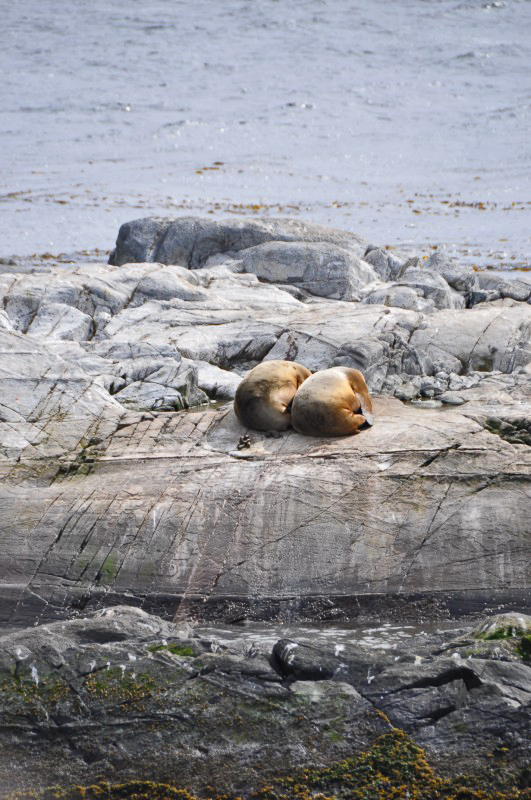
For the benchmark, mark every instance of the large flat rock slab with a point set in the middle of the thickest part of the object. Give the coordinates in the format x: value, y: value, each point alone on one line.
x: 169, y: 514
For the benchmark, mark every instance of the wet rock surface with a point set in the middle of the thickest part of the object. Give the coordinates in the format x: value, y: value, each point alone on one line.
x: 124, y: 693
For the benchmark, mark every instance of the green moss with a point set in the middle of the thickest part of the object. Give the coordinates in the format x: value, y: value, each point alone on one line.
x: 110, y: 566
x: 117, y: 685
x: 178, y: 650
x: 524, y: 647
x: 508, y: 632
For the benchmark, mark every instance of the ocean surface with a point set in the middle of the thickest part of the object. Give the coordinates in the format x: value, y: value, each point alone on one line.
x: 407, y: 122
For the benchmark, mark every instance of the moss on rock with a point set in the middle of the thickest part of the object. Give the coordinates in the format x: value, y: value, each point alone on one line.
x: 395, y: 768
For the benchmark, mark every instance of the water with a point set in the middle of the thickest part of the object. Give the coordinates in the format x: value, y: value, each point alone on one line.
x: 263, y: 636
x: 407, y: 122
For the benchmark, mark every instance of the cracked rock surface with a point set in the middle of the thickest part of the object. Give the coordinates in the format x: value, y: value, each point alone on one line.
x: 111, y: 490
x: 121, y: 692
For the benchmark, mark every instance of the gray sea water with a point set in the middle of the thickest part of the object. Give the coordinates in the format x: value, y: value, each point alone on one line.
x: 408, y: 122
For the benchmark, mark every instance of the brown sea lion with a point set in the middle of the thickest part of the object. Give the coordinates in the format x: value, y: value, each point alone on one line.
x: 263, y: 398
x: 332, y: 402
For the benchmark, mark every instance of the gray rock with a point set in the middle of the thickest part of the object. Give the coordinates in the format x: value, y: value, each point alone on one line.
x: 154, y: 501
x: 387, y: 266
x: 60, y: 321
x: 482, y: 296
x: 504, y: 626
x: 191, y: 241
x: 399, y: 297
x: 461, y: 278
x: 123, y: 695
x: 432, y: 286
x: 219, y: 384
x: 513, y: 289
x: 451, y: 398
x: 168, y: 284
x: 163, y: 506
x: 320, y: 268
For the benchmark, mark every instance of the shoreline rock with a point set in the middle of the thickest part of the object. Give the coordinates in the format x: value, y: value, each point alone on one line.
x: 110, y: 493
x: 122, y: 693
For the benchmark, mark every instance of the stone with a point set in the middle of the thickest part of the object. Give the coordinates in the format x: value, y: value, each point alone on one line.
x: 387, y: 266
x: 451, y: 398
x: 153, y: 502
x: 110, y: 492
x: 320, y: 268
x: 191, y: 241
x: 168, y: 284
x: 482, y: 296
x: 399, y: 297
x: 219, y: 384
x: 504, y: 626
x: 60, y: 321
x: 514, y: 289
x: 461, y: 278
x: 432, y: 286
x: 121, y: 695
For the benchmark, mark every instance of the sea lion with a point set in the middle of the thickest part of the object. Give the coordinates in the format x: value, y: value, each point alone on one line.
x: 332, y: 402
x: 263, y: 398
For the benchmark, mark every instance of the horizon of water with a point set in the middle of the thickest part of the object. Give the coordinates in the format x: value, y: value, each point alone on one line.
x: 405, y: 122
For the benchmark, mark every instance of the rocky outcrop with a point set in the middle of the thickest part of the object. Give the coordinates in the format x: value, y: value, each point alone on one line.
x: 111, y: 491
x: 124, y: 694
x: 191, y: 241
x: 99, y: 504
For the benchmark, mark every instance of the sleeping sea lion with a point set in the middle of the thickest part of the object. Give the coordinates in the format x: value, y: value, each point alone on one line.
x: 332, y: 402
x: 263, y: 398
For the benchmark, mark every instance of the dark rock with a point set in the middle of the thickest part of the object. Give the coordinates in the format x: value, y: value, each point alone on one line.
x: 122, y: 695
x: 191, y: 241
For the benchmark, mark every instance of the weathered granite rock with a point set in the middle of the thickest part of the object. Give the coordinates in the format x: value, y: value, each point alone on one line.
x: 120, y: 694
x: 319, y: 268
x: 514, y: 289
x: 386, y: 265
x: 191, y: 241
x: 397, y: 296
x: 163, y: 507
x: 111, y: 493
x: 461, y: 278
x: 432, y: 286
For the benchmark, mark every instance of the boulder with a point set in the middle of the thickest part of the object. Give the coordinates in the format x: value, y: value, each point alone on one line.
x: 461, y: 278
x: 191, y: 241
x: 397, y: 296
x: 320, y: 268
x: 60, y: 321
x: 432, y: 286
x: 386, y: 265
x: 513, y: 289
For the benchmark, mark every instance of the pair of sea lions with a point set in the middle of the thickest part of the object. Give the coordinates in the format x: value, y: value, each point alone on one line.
x: 277, y: 394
